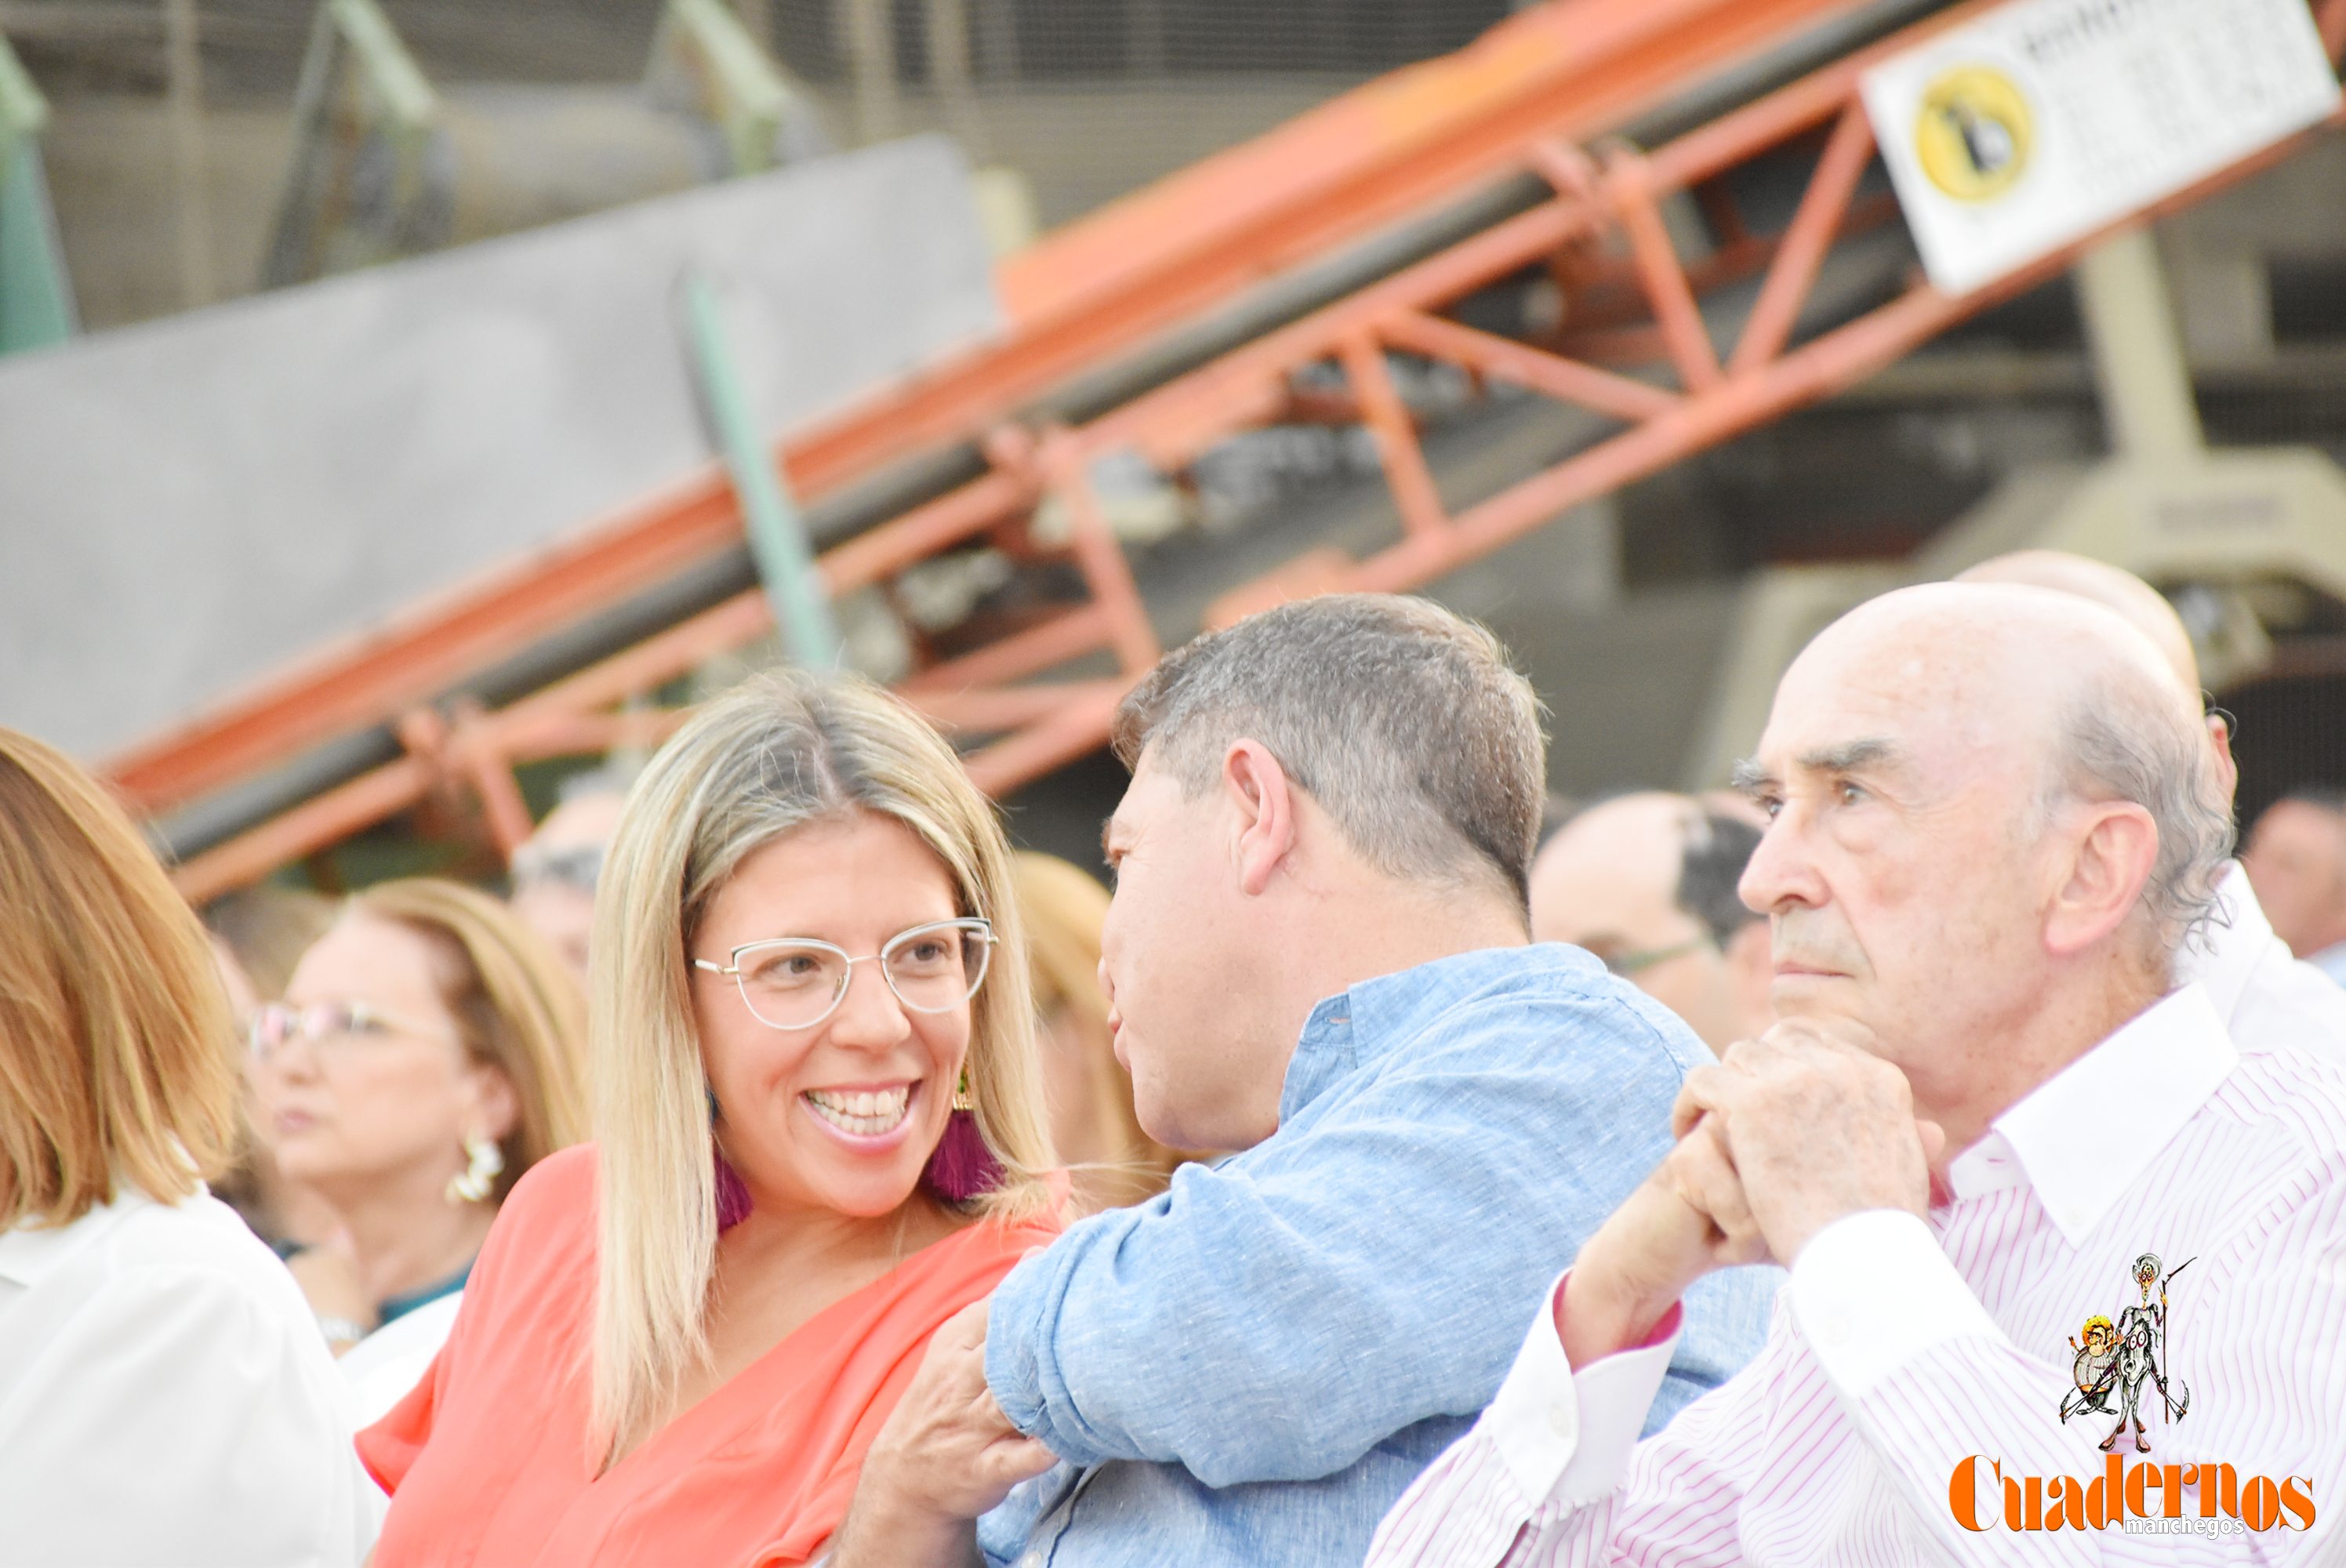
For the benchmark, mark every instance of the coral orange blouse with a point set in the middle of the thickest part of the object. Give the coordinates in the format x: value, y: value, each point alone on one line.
x: 487, y: 1462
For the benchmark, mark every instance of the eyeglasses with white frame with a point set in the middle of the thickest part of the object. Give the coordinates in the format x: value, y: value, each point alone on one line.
x: 797, y: 981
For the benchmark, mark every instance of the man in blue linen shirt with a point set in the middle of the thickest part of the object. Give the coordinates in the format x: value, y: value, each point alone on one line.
x: 1318, y: 955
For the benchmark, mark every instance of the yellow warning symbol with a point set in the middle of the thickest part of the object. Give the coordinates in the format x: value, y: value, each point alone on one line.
x: 1976, y: 134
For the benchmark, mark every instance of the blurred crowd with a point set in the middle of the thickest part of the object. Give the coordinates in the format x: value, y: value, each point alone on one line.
x: 1401, y: 1164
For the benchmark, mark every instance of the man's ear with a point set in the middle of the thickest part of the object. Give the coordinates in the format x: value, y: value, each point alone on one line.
x: 2220, y: 735
x: 2109, y: 866
x: 1264, y: 801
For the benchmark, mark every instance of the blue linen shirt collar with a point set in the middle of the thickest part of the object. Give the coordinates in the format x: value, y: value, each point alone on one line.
x: 1359, y: 1025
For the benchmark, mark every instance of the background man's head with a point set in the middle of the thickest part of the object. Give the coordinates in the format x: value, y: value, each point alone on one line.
x: 1318, y: 792
x: 1996, y: 818
x: 555, y: 869
x: 1648, y: 883
x: 2296, y: 861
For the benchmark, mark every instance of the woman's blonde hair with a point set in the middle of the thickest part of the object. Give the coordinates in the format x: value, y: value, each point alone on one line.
x: 116, y: 1050
x: 772, y: 755
x: 515, y: 1002
x: 1065, y: 909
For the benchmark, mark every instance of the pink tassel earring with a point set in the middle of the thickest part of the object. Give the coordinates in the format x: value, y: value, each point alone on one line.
x: 962, y: 1167
x: 733, y: 1193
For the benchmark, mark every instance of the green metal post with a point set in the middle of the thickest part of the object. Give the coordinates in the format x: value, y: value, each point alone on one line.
x: 778, y: 539
x: 36, y: 305
x: 357, y: 81
x: 740, y: 89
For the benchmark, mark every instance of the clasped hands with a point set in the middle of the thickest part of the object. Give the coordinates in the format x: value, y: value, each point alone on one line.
x: 1784, y: 1135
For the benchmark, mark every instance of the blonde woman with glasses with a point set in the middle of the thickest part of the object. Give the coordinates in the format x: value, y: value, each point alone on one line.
x: 819, y: 1138
x: 426, y: 1054
x: 164, y: 1397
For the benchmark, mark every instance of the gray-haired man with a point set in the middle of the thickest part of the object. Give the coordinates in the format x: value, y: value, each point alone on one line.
x: 1993, y: 822
x: 1318, y: 956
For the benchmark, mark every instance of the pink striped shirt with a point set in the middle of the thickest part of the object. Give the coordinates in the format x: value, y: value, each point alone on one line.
x: 1900, y: 1348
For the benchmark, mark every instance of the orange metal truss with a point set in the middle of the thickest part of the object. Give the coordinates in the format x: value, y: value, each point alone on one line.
x: 1003, y: 693
x: 1084, y: 296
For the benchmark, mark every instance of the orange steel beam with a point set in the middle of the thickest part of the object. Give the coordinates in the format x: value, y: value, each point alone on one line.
x: 362, y: 680
x: 1631, y: 185
x: 587, y: 734
x: 1417, y: 136
x: 1097, y: 289
x: 1036, y: 648
x: 1048, y: 725
x: 1077, y: 728
x: 1504, y: 359
x: 1396, y: 433
x: 995, y: 711
x: 323, y: 820
x: 1097, y: 552
x: 1810, y: 235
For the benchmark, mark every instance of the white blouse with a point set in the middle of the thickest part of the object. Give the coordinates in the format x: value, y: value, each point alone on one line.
x: 165, y: 1398
x: 386, y: 1365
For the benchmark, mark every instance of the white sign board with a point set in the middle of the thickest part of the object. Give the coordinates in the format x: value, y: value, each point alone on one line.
x: 2046, y: 119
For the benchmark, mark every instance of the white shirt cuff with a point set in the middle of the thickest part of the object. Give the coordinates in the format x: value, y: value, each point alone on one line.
x: 1565, y: 1436
x: 1873, y: 1291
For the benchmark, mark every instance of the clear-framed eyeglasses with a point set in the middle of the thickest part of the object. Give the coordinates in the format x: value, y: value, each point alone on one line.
x: 330, y: 1027
x: 796, y: 983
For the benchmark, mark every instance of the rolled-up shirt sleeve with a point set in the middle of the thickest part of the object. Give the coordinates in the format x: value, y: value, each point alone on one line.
x: 1275, y: 1319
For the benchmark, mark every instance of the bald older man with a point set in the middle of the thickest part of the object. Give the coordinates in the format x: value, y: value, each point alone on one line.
x: 1647, y: 882
x: 2252, y: 975
x: 1989, y: 1119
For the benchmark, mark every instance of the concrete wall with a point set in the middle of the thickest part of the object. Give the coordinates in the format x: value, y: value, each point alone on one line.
x: 188, y: 505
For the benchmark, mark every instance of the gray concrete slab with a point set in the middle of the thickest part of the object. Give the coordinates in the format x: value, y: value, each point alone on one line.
x: 188, y: 505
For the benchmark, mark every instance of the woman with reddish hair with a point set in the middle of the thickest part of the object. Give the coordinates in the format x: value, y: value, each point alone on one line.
x: 164, y: 1395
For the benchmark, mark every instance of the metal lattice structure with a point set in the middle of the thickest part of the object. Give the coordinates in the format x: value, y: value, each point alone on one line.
x: 1536, y: 96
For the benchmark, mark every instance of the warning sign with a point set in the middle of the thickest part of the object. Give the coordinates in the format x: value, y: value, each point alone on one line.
x: 1975, y: 133
x: 2046, y: 119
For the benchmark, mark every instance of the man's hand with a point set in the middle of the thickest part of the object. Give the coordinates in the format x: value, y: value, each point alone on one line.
x: 946, y: 1455
x: 1815, y: 1128
x: 1685, y: 1219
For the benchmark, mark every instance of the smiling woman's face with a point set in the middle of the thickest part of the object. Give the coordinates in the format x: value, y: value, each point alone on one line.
x: 842, y: 1116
